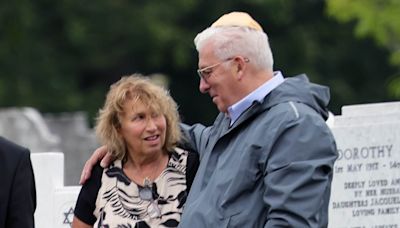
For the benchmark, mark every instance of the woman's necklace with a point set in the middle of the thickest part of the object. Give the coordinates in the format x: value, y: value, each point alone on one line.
x: 143, y: 178
x: 149, y: 179
x: 146, y: 192
x: 149, y: 193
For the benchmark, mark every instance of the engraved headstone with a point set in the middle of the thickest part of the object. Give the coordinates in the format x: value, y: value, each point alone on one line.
x: 55, y: 202
x: 366, y: 185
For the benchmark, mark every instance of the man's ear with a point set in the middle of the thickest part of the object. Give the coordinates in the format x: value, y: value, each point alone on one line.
x: 240, y: 66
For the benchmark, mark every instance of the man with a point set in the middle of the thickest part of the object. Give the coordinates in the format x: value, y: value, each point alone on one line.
x: 267, y: 160
x: 17, y: 191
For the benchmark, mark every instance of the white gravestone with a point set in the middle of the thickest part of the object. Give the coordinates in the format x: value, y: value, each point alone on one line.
x: 55, y: 202
x: 366, y: 185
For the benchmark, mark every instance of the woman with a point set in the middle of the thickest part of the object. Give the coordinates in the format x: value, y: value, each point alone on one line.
x: 148, y: 183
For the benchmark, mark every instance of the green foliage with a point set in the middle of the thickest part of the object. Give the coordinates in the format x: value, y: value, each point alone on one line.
x: 62, y: 55
x: 379, y: 19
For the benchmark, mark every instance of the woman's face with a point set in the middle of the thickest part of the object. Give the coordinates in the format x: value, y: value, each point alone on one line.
x: 143, y: 130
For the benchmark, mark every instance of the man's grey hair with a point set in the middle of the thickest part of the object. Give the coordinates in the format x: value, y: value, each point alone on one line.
x: 232, y: 41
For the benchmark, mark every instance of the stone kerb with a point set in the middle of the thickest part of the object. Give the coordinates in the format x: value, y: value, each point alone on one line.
x: 366, y: 184
x: 55, y: 202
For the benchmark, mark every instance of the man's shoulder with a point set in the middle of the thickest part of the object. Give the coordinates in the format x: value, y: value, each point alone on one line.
x: 10, y: 148
x: 285, y: 113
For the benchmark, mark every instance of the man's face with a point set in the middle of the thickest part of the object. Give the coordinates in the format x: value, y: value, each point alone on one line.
x: 217, y: 79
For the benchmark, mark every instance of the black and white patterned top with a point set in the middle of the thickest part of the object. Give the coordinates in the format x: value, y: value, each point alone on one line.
x: 117, y: 202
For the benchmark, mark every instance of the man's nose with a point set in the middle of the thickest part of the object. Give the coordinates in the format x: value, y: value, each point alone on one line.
x: 203, y: 86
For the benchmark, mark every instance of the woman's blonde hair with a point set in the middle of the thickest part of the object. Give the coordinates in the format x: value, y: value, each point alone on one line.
x: 135, y: 88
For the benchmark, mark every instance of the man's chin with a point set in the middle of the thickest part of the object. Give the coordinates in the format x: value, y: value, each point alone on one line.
x: 221, y: 108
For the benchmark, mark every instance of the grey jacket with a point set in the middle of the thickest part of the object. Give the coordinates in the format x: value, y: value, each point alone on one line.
x: 272, y: 168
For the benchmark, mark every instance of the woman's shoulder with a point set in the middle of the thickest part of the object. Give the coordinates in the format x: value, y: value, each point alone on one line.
x: 188, y: 161
x: 180, y: 150
x: 191, y: 156
x: 96, y: 173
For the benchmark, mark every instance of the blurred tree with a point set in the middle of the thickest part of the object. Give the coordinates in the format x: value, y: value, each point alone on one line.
x: 379, y: 19
x: 62, y: 55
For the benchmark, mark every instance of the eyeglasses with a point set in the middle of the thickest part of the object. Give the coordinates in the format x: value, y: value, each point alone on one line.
x: 148, y: 193
x: 206, y: 72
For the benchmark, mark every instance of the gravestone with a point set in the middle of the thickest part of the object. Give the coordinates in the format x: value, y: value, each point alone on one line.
x: 366, y: 184
x: 55, y: 202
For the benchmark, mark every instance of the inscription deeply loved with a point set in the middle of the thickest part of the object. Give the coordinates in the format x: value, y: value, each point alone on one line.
x: 369, y: 185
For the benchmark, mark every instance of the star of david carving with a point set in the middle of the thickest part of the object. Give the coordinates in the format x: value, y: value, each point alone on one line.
x: 68, y: 216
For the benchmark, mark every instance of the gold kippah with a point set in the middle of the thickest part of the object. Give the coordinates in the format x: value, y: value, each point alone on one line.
x: 240, y: 19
